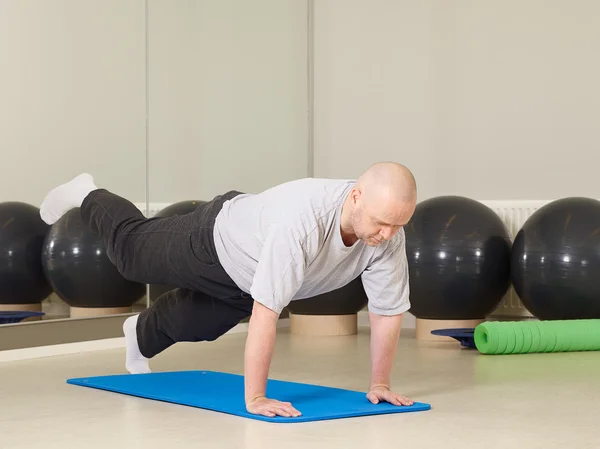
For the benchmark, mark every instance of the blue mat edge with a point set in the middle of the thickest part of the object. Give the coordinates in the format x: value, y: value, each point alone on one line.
x: 389, y: 409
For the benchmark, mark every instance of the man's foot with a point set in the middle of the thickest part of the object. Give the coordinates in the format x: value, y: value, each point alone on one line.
x: 65, y: 197
x: 135, y: 362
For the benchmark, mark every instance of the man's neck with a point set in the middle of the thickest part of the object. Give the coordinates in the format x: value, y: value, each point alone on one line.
x: 348, y: 236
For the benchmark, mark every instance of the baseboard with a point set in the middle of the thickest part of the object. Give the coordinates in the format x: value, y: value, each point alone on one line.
x: 115, y: 343
x: 12, y: 355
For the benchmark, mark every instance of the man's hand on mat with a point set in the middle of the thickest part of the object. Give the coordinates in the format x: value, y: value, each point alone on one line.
x: 271, y: 408
x: 382, y: 393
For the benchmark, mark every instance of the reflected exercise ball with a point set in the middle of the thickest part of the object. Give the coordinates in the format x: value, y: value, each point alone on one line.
x: 458, y: 253
x: 331, y: 313
x: 179, y: 208
x: 23, y: 285
x: 173, y: 210
x: 80, y: 272
x: 555, y: 265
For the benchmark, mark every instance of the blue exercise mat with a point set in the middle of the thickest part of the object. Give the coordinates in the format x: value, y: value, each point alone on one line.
x: 224, y: 392
x: 16, y: 316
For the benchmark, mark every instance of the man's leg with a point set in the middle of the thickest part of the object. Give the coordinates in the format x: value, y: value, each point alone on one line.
x: 137, y: 246
x: 146, y: 250
x: 176, y: 251
x: 180, y: 315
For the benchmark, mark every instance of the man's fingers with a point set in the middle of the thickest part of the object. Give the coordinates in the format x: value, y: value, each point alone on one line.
x: 271, y: 412
x: 285, y: 412
x: 392, y: 398
x: 284, y: 409
x: 282, y: 412
x: 403, y: 400
x: 292, y: 411
x: 373, y: 398
x: 388, y: 396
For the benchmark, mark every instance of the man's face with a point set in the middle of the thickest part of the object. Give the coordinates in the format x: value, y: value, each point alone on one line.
x: 379, y: 222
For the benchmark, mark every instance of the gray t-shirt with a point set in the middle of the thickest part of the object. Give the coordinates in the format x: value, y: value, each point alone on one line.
x: 285, y: 244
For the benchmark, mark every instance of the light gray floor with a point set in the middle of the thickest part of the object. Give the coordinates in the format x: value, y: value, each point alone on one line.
x: 525, y: 401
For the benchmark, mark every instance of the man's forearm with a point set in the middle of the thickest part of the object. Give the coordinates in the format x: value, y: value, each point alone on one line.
x: 385, y: 332
x: 259, y: 351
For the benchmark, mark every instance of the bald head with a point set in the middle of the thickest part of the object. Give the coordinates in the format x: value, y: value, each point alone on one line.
x: 382, y: 201
x: 388, y: 181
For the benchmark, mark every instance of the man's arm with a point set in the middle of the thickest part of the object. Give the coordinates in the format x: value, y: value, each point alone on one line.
x: 385, y: 332
x: 259, y: 351
x: 278, y: 276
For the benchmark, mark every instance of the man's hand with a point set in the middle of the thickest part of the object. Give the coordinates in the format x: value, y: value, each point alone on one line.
x: 259, y: 350
x: 380, y: 393
x: 271, y: 408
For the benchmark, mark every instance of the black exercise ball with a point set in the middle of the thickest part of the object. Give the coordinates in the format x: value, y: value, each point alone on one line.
x: 76, y: 264
x: 458, y: 253
x: 22, y: 234
x: 179, y: 208
x: 173, y: 210
x: 555, y: 264
x: 347, y: 300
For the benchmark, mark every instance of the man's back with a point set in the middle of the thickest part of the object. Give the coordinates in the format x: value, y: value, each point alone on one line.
x: 285, y: 243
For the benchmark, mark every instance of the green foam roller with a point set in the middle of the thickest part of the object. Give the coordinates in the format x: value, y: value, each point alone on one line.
x: 536, y: 337
x: 548, y: 337
x: 511, y: 342
x: 527, y: 340
x: 493, y: 336
x: 520, y: 341
x: 502, y: 340
x: 523, y: 337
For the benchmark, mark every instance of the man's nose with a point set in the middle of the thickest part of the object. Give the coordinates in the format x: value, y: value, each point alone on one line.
x: 387, y: 233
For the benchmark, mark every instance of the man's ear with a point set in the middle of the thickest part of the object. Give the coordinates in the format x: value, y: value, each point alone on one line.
x: 355, y: 195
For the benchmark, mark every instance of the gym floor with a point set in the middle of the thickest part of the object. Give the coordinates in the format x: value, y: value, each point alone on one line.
x: 526, y: 401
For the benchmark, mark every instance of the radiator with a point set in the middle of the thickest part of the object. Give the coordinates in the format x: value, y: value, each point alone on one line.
x: 514, y: 214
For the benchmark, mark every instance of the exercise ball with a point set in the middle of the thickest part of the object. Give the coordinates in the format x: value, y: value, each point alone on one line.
x: 80, y: 272
x: 173, y: 210
x: 23, y: 285
x: 331, y: 313
x: 555, y: 265
x: 179, y: 208
x: 458, y: 254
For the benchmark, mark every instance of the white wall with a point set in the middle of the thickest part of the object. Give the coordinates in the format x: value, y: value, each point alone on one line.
x: 72, y: 95
x: 228, y: 96
x: 374, y: 69
x: 493, y: 100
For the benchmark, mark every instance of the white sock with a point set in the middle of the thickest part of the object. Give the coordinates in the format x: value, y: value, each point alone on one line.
x: 65, y: 197
x: 135, y: 362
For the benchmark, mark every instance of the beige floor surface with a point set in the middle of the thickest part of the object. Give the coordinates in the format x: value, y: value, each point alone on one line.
x: 486, y: 402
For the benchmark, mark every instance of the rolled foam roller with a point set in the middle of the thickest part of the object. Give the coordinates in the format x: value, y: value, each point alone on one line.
x: 521, y: 337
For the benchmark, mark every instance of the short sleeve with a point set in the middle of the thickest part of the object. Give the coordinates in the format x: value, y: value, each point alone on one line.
x: 386, y: 281
x: 280, y: 269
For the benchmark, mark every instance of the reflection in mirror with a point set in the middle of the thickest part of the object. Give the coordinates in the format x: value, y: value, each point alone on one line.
x: 73, y: 89
x: 227, y: 97
x: 228, y: 101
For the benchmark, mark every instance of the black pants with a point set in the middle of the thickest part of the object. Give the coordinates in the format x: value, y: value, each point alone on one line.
x: 177, y: 251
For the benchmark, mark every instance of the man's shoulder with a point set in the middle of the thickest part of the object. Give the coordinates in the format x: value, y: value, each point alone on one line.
x: 312, y: 185
x: 306, y: 195
x: 308, y: 207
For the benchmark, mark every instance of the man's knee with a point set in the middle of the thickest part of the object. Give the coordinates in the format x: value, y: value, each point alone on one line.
x: 193, y: 316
